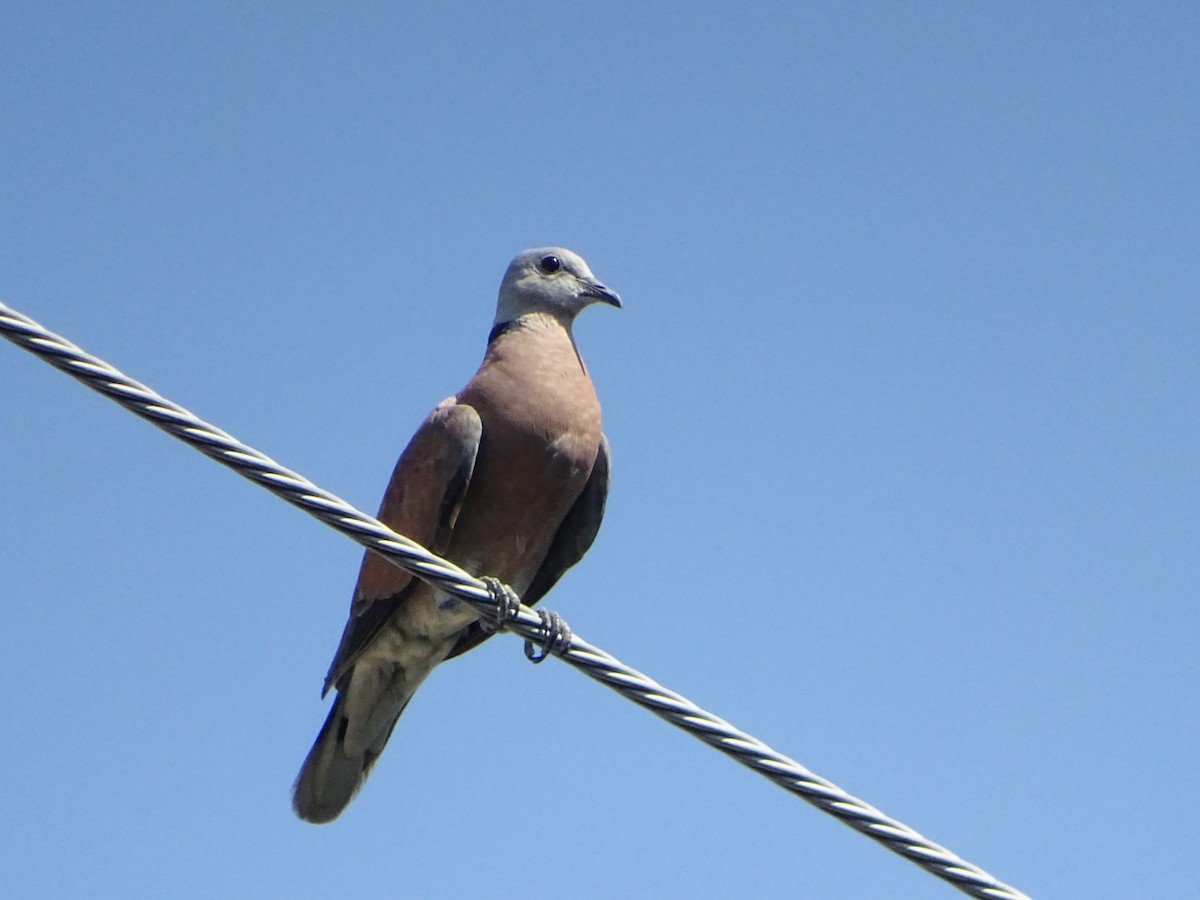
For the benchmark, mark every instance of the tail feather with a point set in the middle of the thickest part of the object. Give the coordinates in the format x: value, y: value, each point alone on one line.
x: 370, y: 698
x: 330, y: 777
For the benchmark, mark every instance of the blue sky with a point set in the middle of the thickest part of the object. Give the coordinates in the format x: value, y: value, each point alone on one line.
x: 903, y: 405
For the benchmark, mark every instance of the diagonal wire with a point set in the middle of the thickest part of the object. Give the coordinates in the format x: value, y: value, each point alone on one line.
x: 592, y: 661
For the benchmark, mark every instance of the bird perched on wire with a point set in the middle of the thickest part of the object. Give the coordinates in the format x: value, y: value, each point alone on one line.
x: 508, y: 478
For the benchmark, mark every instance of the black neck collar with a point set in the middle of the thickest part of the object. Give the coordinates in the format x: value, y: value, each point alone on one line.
x: 502, y: 328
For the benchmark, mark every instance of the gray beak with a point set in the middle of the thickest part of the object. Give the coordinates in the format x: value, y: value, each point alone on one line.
x: 599, y: 292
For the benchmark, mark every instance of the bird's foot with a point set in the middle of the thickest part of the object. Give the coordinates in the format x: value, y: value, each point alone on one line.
x: 557, y: 638
x: 508, y: 605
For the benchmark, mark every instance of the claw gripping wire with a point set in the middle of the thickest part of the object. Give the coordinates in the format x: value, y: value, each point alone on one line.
x: 557, y: 640
x: 507, y: 605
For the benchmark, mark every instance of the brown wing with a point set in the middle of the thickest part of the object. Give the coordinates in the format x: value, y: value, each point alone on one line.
x: 422, y: 503
x: 572, y: 540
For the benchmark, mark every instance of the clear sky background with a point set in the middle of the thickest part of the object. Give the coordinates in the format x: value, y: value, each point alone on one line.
x: 903, y: 403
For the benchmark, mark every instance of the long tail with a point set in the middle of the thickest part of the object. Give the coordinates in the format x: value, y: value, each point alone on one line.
x: 331, y: 776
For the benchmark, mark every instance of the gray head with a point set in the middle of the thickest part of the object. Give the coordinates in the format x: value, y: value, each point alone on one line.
x: 552, y: 281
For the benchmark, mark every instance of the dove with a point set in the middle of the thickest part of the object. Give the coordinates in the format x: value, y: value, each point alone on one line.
x: 508, y: 478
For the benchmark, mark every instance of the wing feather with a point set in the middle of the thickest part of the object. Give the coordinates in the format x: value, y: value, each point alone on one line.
x: 422, y: 502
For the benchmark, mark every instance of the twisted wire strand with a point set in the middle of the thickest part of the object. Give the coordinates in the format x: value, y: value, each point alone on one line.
x: 592, y: 661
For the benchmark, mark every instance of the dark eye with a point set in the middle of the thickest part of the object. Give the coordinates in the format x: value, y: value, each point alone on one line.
x: 550, y: 264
